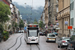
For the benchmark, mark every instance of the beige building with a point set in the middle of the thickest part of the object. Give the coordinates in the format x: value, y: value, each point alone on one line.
x: 52, y: 11
x: 46, y: 12
x: 63, y: 17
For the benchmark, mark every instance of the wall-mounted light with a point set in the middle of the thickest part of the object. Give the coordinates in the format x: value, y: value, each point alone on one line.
x: 66, y: 22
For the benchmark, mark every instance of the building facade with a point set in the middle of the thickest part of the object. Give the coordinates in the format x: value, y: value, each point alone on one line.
x: 64, y: 17
x: 46, y: 12
x: 52, y: 11
x: 72, y: 14
x: 14, y: 16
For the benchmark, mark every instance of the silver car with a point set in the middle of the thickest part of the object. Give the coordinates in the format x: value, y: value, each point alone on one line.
x: 51, y: 37
x: 63, y: 42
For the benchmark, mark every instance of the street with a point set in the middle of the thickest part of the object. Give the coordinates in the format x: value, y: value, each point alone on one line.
x: 17, y: 42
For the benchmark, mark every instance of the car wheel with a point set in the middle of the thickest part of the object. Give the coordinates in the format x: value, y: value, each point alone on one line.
x: 37, y: 43
x: 46, y: 41
x: 58, y: 46
x: 54, y: 41
x: 27, y: 43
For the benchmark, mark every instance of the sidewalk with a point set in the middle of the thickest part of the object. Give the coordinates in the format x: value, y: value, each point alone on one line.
x: 6, y: 44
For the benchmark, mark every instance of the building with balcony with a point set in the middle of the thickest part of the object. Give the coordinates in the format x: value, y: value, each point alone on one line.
x: 64, y: 17
x: 8, y: 23
x: 46, y: 12
x: 52, y: 11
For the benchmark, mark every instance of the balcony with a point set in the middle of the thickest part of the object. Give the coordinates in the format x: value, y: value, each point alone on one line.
x: 10, y: 1
x: 64, y: 13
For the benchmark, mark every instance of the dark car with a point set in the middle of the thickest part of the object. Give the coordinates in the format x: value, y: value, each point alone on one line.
x: 71, y: 45
x: 41, y: 33
x: 63, y: 42
x: 55, y: 33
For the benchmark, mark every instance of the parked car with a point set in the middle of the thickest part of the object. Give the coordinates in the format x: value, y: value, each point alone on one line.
x: 51, y: 37
x: 46, y: 32
x: 21, y: 31
x: 63, y: 42
x: 55, y: 33
x: 41, y: 33
x: 71, y: 43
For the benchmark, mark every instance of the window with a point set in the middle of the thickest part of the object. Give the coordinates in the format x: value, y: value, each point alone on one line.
x: 72, y: 6
x: 72, y: 20
x: 51, y: 35
x: 56, y: 18
x: 33, y: 33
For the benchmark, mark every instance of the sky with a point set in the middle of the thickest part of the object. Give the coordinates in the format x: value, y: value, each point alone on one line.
x: 36, y: 3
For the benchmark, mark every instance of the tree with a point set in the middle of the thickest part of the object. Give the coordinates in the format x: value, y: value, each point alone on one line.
x: 35, y: 21
x: 21, y: 24
x: 4, y: 12
x: 41, y: 24
x: 14, y: 24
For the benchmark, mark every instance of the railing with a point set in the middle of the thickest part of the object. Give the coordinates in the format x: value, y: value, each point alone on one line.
x: 63, y: 13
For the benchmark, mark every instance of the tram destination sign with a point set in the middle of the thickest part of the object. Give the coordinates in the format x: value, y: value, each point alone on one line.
x: 32, y: 26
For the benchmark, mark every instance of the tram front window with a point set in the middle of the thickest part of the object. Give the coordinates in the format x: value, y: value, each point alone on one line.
x: 33, y: 33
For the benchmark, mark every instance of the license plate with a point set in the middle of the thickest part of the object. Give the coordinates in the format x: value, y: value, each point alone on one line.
x: 53, y: 39
x: 49, y: 39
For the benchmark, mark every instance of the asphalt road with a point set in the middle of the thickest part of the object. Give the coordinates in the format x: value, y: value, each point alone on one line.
x: 17, y: 42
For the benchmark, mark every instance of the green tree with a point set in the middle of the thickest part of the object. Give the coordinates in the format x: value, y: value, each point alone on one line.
x: 9, y: 26
x: 41, y: 24
x: 16, y: 25
x: 21, y: 24
x: 35, y: 21
x: 4, y: 12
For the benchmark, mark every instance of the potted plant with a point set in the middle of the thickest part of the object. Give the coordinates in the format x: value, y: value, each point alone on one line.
x: 5, y: 35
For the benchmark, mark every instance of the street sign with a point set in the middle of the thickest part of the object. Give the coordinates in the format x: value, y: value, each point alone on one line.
x: 69, y: 27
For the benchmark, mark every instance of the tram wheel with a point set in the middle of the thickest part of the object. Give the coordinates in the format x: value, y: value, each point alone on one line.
x: 27, y: 43
x: 37, y: 43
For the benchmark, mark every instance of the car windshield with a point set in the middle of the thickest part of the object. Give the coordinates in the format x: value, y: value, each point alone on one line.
x: 32, y: 33
x: 66, y: 39
x: 51, y: 35
x: 40, y: 32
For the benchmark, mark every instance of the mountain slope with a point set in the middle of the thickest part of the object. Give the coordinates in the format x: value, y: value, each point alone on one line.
x: 28, y: 13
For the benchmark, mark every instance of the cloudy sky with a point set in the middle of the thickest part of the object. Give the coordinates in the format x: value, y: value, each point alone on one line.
x: 36, y: 3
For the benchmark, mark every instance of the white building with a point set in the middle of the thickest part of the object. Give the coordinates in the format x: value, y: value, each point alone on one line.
x: 72, y: 16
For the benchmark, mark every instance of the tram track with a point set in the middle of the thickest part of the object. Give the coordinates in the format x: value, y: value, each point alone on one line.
x: 14, y: 45
x: 35, y: 45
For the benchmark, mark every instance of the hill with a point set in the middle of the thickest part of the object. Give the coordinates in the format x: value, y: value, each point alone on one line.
x: 28, y: 13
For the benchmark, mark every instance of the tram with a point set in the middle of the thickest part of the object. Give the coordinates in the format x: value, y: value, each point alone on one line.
x: 32, y: 35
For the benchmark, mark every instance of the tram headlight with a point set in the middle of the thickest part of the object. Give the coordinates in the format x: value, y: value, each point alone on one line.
x: 36, y: 38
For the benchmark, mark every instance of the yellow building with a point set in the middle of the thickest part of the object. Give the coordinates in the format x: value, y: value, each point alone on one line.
x: 64, y: 17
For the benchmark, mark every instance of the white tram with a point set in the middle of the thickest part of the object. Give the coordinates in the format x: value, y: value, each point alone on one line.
x: 32, y: 35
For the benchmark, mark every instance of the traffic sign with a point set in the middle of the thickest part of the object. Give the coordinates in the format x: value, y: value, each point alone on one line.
x: 69, y: 27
